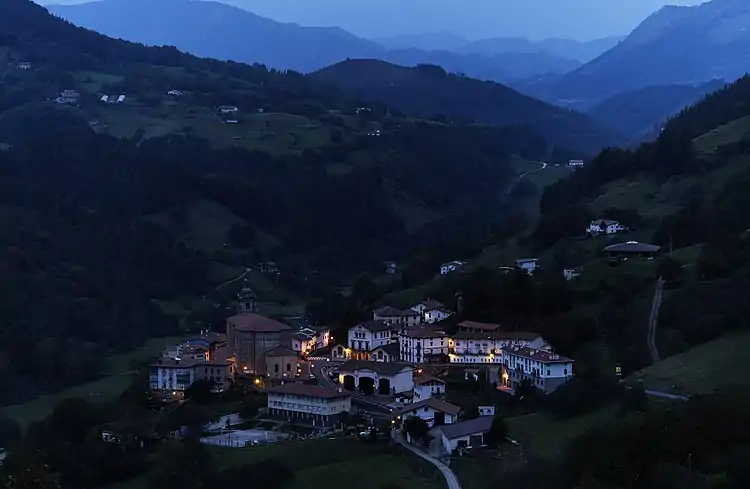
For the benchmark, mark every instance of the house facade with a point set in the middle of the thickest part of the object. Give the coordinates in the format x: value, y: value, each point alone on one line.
x: 386, y: 353
x: 432, y: 311
x: 308, y: 404
x: 466, y: 434
x: 418, y: 345
x: 392, y: 316
x: 367, y: 336
x: 486, y: 348
x: 451, y: 266
x: 428, y: 386
x: 376, y: 377
x: 528, y: 265
x: 282, y: 363
x: 176, y: 375
x: 604, y: 226
x: 434, y: 411
x: 546, y: 371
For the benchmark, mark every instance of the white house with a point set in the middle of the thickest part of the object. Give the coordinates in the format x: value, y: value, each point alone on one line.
x: 24, y: 65
x: 175, y: 93
x: 120, y: 99
x: 486, y: 348
x: 376, y: 377
x: 418, y: 345
x: 229, y: 109
x: 547, y: 371
x: 486, y: 410
x: 575, y: 163
x: 570, y: 273
x: 466, y: 434
x: 432, y: 410
x: 390, y: 315
x: 428, y: 386
x: 309, y: 404
x: 604, y: 226
x: 451, y: 266
x: 177, y: 375
x: 105, y: 98
x: 432, y: 311
x: 528, y: 265
x: 390, y: 267
x: 307, y: 340
x: 367, y: 336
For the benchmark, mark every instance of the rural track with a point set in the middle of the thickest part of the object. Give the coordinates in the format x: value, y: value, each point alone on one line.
x: 520, y: 177
x: 653, y: 320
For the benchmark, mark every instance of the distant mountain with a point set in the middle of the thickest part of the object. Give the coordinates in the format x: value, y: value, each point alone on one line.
x: 561, y: 48
x: 429, y: 91
x: 641, y: 113
x: 216, y: 30
x: 428, y: 41
x: 676, y: 45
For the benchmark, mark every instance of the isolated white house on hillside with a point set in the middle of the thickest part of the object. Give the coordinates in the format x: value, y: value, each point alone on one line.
x: 451, y: 266
x: 528, y: 265
x: 604, y: 226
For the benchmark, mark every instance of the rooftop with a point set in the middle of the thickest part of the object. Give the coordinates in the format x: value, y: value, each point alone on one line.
x: 427, y: 378
x: 527, y: 260
x: 426, y: 333
x: 632, y: 247
x: 496, y: 335
x: 470, y: 427
x: 478, y: 326
x: 435, y: 404
x: 307, y: 390
x: 537, y: 355
x: 255, y: 322
x: 392, y: 349
x: 281, y: 351
x: 382, y: 368
x: 388, y: 311
x: 185, y: 363
x: 375, y: 326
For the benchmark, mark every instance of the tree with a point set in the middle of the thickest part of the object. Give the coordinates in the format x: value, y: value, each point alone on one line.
x: 200, y: 391
x: 10, y: 431
x: 183, y: 464
x: 497, y: 433
x: 416, y: 428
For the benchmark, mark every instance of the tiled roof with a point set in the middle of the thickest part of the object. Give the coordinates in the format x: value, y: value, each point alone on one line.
x: 255, y: 322
x: 426, y: 333
x: 392, y: 349
x: 537, y: 355
x: 632, y: 247
x: 382, y: 368
x: 435, y: 404
x: 375, y: 325
x: 427, y: 378
x: 185, y: 363
x: 281, y: 351
x: 308, y: 390
x: 496, y: 335
x: 388, y: 311
x: 479, y: 326
x: 470, y: 427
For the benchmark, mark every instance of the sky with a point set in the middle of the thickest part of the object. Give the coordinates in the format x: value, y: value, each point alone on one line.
x: 474, y: 19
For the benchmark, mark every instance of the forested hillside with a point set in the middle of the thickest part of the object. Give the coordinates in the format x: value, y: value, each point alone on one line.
x: 96, y: 208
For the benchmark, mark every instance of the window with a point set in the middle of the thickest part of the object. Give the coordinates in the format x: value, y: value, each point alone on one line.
x: 276, y: 367
x: 565, y: 371
x: 548, y: 372
x: 288, y: 367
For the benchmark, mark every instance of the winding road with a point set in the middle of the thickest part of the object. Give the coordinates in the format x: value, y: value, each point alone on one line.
x: 450, y: 477
x: 653, y: 320
x: 520, y: 177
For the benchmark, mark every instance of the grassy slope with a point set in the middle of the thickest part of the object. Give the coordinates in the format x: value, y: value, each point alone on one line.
x: 120, y: 370
x: 332, y: 464
x: 701, y: 370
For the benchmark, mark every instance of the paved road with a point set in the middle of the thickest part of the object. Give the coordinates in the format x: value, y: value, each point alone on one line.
x: 450, y: 477
x: 653, y: 320
x: 667, y: 395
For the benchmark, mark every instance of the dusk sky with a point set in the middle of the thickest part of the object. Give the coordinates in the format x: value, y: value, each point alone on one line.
x: 535, y: 19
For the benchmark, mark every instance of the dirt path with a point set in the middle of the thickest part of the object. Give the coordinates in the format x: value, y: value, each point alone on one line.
x: 542, y: 166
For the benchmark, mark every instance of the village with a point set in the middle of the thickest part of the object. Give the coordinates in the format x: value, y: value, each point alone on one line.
x: 402, y: 368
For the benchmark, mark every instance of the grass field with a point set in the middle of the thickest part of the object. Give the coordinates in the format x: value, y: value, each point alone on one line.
x: 728, y: 133
x: 332, y: 464
x: 544, y: 437
x: 120, y: 368
x: 701, y: 370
